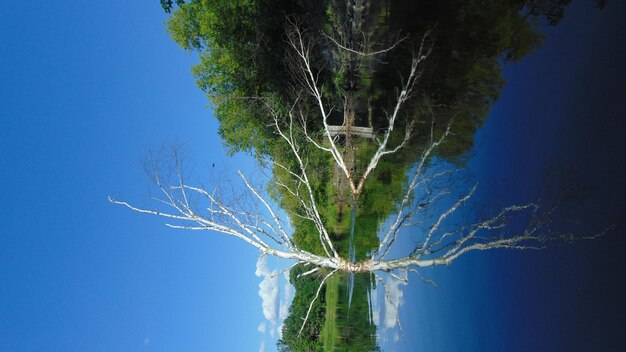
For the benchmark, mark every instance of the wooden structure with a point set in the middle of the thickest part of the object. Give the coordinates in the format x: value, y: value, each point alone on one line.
x: 365, y: 132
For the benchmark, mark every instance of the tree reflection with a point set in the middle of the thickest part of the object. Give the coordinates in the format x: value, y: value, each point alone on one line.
x: 361, y: 111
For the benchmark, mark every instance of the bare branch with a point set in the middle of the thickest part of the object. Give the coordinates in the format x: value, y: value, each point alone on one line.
x: 363, y: 53
x: 319, y: 289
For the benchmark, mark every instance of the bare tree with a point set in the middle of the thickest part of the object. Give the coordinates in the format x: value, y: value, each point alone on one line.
x: 249, y: 215
x: 308, y: 78
x: 253, y: 218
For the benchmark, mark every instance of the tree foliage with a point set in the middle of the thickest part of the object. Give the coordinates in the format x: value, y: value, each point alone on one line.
x: 358, y: 57
x: 306, y: 287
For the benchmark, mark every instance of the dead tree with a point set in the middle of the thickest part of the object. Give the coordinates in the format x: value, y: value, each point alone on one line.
x: 308, y: 78
x: 253, y: 218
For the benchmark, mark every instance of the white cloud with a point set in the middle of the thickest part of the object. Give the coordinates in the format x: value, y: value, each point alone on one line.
x: 376, y: 316
x: 396, y: 337
x: 280, y: 331
x: 275, y: 304
x: 268, y: 290
x: 261, y: 266
x: 262, y: 347
x: 375, y: 308
x: 283, y: 310
x: 393, y: 301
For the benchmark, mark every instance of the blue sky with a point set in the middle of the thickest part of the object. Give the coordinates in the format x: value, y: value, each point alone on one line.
x: 87, y: 87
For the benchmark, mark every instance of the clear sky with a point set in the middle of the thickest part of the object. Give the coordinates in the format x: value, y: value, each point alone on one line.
x: 87, y: 87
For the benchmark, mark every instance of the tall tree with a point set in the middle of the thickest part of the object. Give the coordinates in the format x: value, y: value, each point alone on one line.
x: 257, y: 223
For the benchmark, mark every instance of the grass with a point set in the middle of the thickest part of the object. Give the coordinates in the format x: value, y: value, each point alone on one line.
x: 330, y: 331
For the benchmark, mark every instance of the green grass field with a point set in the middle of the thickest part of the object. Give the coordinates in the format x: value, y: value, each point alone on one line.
x: 330, y: 330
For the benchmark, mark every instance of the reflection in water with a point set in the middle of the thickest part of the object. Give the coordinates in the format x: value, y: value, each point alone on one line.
x: 355, y: 110
x: 462, y: 79
x: 352, y: 258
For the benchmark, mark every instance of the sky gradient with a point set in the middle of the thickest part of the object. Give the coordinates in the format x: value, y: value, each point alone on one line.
x: 563, y: 110
x: 88, y: 87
